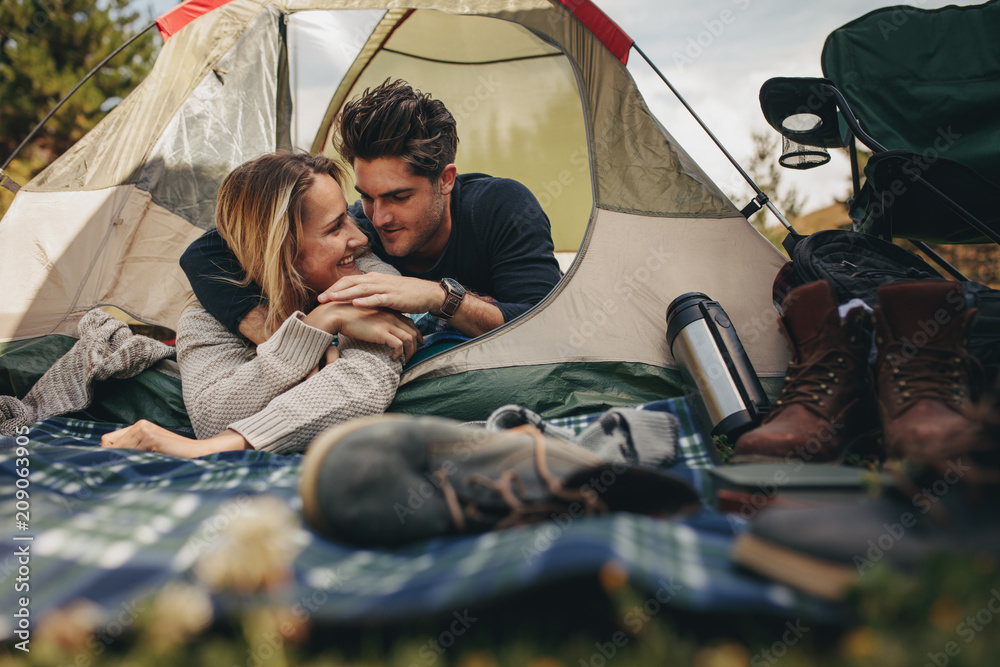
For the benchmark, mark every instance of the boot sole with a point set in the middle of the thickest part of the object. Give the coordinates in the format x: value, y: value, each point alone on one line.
x: 866, y: 443
x: 312, y: 463
x: 813, y: 575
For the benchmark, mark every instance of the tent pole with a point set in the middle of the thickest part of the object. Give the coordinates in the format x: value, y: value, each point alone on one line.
x: 761, y: 199
x: 31, y: 135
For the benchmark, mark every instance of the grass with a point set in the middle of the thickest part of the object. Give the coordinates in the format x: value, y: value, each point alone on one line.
x: 942, y: 616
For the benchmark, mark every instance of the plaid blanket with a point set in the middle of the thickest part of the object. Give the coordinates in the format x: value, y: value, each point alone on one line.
x: 110, y: 525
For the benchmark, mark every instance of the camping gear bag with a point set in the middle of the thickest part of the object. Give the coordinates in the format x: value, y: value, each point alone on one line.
x: 856, y: 265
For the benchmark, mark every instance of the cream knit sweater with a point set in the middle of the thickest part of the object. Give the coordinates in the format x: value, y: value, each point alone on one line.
x: 262, y: 393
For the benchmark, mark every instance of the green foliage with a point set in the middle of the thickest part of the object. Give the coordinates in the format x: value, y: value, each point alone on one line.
x: 725, y: 448
x: 941, y: 614
x: 863, y: 155
x: 46, y: 47
x: 869, y: 461
x: 763, y: 167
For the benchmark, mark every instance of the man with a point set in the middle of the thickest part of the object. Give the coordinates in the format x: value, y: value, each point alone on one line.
x: 472, y: 249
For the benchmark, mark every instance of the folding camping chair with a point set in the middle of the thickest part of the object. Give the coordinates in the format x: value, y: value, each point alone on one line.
x: 921, y: 90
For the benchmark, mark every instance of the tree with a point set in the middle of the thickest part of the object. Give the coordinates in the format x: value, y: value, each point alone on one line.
x: 763, y: 167
x: 46, y: 47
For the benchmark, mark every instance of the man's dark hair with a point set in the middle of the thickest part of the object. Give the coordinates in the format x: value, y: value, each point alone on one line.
x: 393, y: 120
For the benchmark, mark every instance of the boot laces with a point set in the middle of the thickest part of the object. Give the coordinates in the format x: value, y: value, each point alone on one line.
x: 510, y: 488
x: 932, y: 373
x: 810, y: 383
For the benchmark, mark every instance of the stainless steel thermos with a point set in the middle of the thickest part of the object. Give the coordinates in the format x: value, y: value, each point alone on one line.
x: 712, y: 360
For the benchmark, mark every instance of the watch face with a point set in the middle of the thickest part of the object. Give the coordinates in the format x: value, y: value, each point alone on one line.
x: 453, y: 286
x: 454, y: 294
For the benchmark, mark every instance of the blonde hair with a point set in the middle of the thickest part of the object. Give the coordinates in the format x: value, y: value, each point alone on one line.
x: 259, y: 216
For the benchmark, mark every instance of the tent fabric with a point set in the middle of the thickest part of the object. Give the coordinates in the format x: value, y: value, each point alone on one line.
x: 557, y: 390
x: 106, y: 222
x: 516, y: 103
x: 606, y: 30
x: 80, y: 249
x: 612, y: 306
x: 638, y: 167
x: 178, y: 17
x: 229, y: 118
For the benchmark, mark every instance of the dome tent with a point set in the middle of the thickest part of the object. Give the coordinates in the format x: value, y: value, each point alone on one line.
x: 541, y: 94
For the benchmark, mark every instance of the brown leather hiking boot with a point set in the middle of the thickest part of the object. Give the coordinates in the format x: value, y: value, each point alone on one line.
x: 926, y: 379
x: 826, y: 405
x: 945, y: 505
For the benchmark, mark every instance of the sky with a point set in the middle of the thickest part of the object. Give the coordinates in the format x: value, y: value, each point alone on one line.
x: 717, y: 53
x: 719, y: 66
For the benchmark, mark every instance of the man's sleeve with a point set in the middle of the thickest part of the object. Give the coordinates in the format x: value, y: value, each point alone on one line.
x: 523, y: 263
x: 210, y: 266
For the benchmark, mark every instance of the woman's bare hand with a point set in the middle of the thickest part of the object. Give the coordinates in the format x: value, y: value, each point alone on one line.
x: 372, y: 325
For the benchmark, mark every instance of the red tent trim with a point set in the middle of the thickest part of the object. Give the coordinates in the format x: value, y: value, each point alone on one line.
x: 606, y: 30
x: 184, y: 13
x: 603, y: 27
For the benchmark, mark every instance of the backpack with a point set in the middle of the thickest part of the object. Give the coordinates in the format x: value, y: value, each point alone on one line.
x: 856, y: 265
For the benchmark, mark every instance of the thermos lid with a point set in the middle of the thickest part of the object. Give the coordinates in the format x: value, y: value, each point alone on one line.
x: 682, y: 311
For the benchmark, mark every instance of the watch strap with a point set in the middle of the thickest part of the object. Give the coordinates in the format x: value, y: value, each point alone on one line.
x: 454, y: 295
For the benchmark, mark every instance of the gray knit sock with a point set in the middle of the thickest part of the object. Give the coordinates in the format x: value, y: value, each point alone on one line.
x: 635, y: 437
x: 510, y: 416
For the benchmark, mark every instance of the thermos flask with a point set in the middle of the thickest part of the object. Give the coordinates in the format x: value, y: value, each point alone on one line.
x: 704, y: 342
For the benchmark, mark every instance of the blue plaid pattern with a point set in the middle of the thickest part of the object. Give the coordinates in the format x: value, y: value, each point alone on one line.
x: 112, y: 525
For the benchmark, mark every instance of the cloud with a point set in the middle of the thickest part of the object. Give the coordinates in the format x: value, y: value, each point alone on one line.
x: 719, y: 61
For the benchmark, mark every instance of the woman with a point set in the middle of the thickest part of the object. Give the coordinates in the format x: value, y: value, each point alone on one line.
x: 285, y: 217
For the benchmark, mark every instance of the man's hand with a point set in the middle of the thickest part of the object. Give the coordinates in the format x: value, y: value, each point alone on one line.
x: 413, y: 295
x: 147, y: 436
x: 378, y: 290
x: 373, y: 325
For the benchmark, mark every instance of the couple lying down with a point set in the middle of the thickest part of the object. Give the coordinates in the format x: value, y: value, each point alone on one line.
x: 284, y: 231
x: 285, y: 218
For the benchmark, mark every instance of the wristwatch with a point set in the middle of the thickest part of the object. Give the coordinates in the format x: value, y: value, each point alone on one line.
x: 454, y: 293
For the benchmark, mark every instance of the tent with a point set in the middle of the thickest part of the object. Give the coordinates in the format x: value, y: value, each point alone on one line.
x: 541, y: 94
